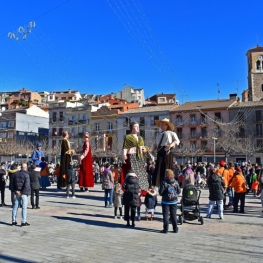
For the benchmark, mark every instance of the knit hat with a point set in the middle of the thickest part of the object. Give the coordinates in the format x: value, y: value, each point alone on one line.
x: 222, y: 163
x: 238, y: 170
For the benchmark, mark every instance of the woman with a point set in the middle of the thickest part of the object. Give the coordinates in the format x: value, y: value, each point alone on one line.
x: 130, y: 197
x: 238, y: 182
x: 166, y: 140
x: 44, y: 172
x: 37, y: 155
x: 108, y: 185
x: 216, y: 187
x: 86, y: 178
x: 66, y: 158
x: 133, y: 157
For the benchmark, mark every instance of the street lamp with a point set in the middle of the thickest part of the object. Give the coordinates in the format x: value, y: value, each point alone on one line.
x: 214, y: 138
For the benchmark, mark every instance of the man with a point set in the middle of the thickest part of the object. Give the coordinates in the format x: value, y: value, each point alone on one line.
x: 230, y: 190
x: 21, y: 186
x: 224, y: 173
x: 34, y: 184
x: 37, y: 154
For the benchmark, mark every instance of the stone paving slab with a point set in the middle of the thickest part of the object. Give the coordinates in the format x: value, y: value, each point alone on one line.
x: 82, y: 230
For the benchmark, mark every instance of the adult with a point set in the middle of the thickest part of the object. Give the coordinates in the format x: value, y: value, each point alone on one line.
x: 225, y: 174
x: 130, y: 197
x: 21, y: 186
x: 2, y: 183
x: 86, y: 178
x: 66, y: 158
x: 230, y: 190
x: 216, y: 187
x: 44, y: 172
x: 133, y: 157
x: 37, y: 154
x: 169, y: 190
x: 239, y: 185
x: 11, y: 174
x: 108, y: 185
x: 188, y: 175
x: 166, y: 140
x: 34, y: 184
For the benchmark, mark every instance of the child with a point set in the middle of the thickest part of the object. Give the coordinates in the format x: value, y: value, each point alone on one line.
x: 150, y: 202
x: 198, y: 179
x: 117, y: 195
x: 254, y: 186
x: 139, y: 205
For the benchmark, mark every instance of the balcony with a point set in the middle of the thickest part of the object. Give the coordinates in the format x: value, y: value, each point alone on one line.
x: 194, y: 135
x: 83, y: 121
x: 193, y: 122
x: 220, y: 120
x: 110, y: 132
x: 257, y: 119
x: 179, y: 122
x: 258, y: 133
x: 203, y: 122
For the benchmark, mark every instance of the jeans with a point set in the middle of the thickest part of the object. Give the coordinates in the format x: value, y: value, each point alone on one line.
x: 36, y: 192
x: 211, y: 206
x: 172, y: 208
x: 20, y: 199
x: 231, y: 196
x: 73, y: 189
x: 138, y: 211
x: 13, y: 198
x: 241, y: 197
x: 107, y: 193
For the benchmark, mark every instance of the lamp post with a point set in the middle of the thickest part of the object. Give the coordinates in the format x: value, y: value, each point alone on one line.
x: 214, y: 138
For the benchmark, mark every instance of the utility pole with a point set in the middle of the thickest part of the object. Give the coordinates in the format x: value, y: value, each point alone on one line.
x: 214, y: 138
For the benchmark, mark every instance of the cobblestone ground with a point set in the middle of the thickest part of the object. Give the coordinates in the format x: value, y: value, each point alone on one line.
x: 82, y: 230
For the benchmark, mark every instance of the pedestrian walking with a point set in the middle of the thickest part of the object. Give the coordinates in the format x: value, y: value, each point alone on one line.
x: 107, y: 185
x: 21, y: 186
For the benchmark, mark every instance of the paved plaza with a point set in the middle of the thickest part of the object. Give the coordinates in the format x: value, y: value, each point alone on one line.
x: 83, y: 230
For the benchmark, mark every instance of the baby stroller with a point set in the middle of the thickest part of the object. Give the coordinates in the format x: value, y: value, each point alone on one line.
x: 190, y: 208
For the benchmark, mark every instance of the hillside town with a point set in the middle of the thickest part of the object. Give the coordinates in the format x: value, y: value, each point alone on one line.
x: 209, y: 130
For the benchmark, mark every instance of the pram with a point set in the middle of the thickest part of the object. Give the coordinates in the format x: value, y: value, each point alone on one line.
x: 190, y: 208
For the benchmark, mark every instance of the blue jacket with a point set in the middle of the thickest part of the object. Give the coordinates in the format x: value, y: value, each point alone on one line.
x: 21, y: 182
x: 35, y: 157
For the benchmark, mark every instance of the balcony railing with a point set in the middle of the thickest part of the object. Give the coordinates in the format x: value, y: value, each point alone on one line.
x: 193, y: 122
x: 203, y: 121
x: 258, y: 133
x: 179, y: 122
x: 194, y: 135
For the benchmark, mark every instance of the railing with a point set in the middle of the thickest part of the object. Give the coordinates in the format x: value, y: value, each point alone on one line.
x: 179, y: 122
x: 193, y: 122
x: 194, y: 135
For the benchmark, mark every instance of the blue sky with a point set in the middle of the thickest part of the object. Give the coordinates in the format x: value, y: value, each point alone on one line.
x: 171, y: 46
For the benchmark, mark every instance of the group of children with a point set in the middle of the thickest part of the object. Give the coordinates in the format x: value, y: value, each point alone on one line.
x: 150, y: 202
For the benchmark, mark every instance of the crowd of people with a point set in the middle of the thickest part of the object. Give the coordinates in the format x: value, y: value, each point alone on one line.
x: 138, y: 180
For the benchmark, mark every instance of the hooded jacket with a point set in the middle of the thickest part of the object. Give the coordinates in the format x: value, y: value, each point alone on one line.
x: 216, y: 184
x: 150, y: 200
x: 131, y: 186
x: 11, y: 174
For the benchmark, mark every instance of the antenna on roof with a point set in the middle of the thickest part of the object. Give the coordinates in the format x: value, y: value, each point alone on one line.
x: 257, y: 40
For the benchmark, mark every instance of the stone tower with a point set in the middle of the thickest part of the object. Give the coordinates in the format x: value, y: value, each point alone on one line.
x: 255, y: 73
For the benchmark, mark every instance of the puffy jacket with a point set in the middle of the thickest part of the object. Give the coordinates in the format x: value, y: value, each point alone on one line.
x: 225, y: 174
x: 2, y: 178
x: 34, y: 180
x: 108, y: 180
x: 164, y: 188
x: 22, y: 182
x: 239, y: 183
x: 216, y: 184
x: 11, y: 175
x: 131, y: 186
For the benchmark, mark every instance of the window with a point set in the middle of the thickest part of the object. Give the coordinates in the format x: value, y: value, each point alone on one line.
x: 258, y: 115
x: 110, y: 125
x: 161, y: 99
x: 60, y: 131
x: 3, y: 125
x: 258, y: 65
x: 192, y: 119
x: 193, y: 133
x: 241, y: 117
x: 262, y: 87
x: 74, y: 131
x: 84, y: 129
x: 204, y: 132
x: 127, y: 122
x: 54, y: 144
x: 193, y: 146
x: 3, y: 135
x: 241, y: 132
x: 84, y: 117
x: 203, y: 119
x: 11, y: 124
x: 74, y: 118
x: 142, y: 133
x: 54, y: 132
x: 10, y: 135
x: 260, y: 143
x: 259, y: 129
x: 204, y: 145
x: 179, y: 132
x: 54, y: 116
x: 218, y: 115
x: 179, y: 120
x: 142, y: 121
x: 61, y: 117
x: 97, y: 126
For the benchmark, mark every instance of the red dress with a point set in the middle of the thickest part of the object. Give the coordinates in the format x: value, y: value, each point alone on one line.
x: 86, y: 178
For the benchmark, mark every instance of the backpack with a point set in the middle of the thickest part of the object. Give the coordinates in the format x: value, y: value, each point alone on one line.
x: 171, y: 193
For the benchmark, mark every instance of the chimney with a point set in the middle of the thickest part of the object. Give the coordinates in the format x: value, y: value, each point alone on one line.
x: 233, y: 96
x: 69, y: 90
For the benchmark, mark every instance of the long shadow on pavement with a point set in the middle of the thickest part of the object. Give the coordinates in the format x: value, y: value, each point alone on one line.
x: 13, y: 259
x: 104, y: 224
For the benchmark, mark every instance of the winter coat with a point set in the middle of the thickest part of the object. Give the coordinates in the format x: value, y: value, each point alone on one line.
x: 239, y: 183
x: 164, y: 188
x: 150, y: 200
x: 2, y: 177
x: 11, y: 175
x: 216, y: 186
x: 131, y: 186
x: 108, y: 180
x: 34, y: 180
x: 71, y: 175
x: 117, y: 194
x: 22, y: 182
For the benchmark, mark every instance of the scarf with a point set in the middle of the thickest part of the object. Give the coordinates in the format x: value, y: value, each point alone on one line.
x: 130, y: 142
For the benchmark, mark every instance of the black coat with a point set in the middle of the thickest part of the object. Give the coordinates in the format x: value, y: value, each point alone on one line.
x: 150, y: 200
x: 22, y: 182
x: 71, y: 175
x: 34, y: 180
x: 2, y: 180
x: 216, y: 185
x: 11, y: 175
x: 131, y: 186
